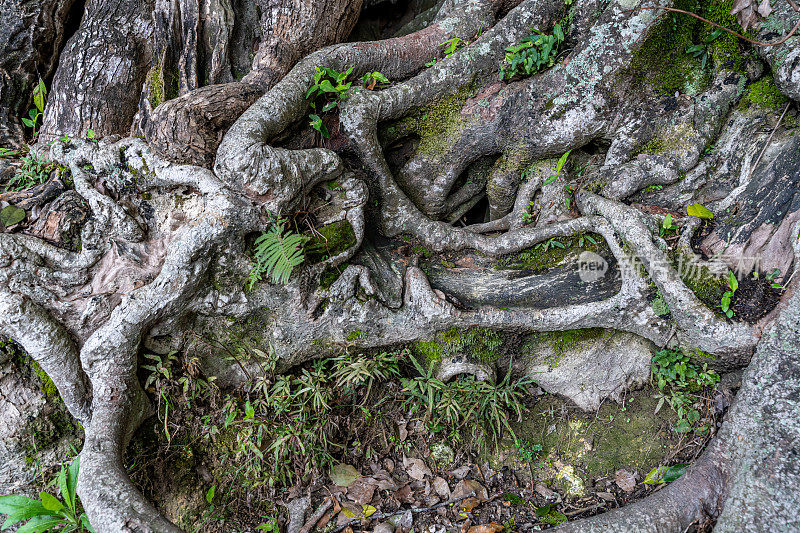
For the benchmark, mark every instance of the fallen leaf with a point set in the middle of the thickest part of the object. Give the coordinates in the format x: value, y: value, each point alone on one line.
x: 469, y: 504
x: 351, y: 510
x: 11, y: 215
x: 607, y: 496
x: 625, y: 480
x: 544, y: 491
x: 461, y: 472
x: 467, y: 486
x: 441, y: 487
x: 493, y: 527
x: 344, y: 475
x: 403, y: 495
x: 362, y: 490
x: 416, y: 468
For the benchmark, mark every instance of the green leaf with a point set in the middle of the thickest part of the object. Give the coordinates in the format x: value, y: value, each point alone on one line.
x: 330, y: 105
x: 38, y: 95
x: 674, y: 472
x: 63, y: 486
x: 699, y: 211
x: 27, y: 122
x: 655, y: 475
x: 249, y: 412
x: 40, y: 524
x: 380, y: 77
x: 19, y: 508
x: 344, y: 475
x: 11, y: 215
x: 86, y: 525
x: 562, y: 161
x: 50, y: 502
x: 72, y: 482
x: 733, y: 283
x: 327, y: 86
x: 210, y: 493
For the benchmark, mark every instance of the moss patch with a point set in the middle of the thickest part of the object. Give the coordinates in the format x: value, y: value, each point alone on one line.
x: 663, y: 63
x: 561, y: 341
x: 479, y: 343
x: 547, y: 255
x: 597, y: 445
x: 435, y: 124
x: 329, y: 241
x: 762, y: 94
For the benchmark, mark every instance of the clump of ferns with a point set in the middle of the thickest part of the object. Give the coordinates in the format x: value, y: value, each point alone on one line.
x: 277, y: 252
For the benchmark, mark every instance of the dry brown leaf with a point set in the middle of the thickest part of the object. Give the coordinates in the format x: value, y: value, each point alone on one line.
x: 467, y: 486
x: 403, y: 494
x: 469, y: 504
x: 747, y: 12
x: 625, y: 480
x: 416, y: 468
x: 362, y: 490
x: 441, y: 487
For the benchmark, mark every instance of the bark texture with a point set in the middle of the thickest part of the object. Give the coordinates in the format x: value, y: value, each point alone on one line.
x: 448, y: 156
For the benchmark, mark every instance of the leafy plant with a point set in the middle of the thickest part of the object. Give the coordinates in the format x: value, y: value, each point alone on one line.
x: 725, y: 302
x: 34, y: 171
x: 680, y: 379
x: 550, y: 515
x: 668, y: 227
x: 451, y: 46
x: 277, y: 253
x: 559, y: 167
x: 34, y: 114
x: 465, y: 402
x: 48, y: 513
x: 700, y: 51
x: 533, y: 54
x: 8, y: 152
x: 371, y: 79
x: 328, y: 91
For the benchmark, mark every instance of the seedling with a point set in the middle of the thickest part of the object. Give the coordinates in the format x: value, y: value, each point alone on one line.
x: 725, y: 303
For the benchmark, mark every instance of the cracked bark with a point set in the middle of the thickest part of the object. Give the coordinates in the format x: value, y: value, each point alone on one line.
x: 76, y: 317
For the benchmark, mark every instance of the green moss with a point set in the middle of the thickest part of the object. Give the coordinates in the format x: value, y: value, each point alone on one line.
x: 762, y: 94
x: 481, y: 344
x: 706, y: 286
x: 329, y: 276
x: 663, y: 63
x: 545, y: 256
x: 156, y: 84
x: 356, y: 335
x: 330, y: 241
x: 46, y: 384
x: 561, y: 341
x: 598, y: 444
x: 435, y: 124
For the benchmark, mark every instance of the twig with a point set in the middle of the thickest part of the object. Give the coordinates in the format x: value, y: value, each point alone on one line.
x: 321, y: 510
x: 698, y: 17
x: 381, y: 516
x: 769, y: 140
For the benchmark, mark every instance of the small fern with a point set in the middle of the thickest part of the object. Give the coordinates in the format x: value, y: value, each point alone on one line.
x: 276, y: 254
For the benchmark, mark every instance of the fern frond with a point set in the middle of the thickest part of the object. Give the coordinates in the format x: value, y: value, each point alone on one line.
x: 277, y: 254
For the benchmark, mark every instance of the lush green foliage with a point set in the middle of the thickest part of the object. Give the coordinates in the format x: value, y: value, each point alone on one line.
x: 533, y: 54
x: 34, y: 171
x: 466, y: 402
x: 277, y: 253
x: 48, y: 513
x: 665, y: 474
x: 681, y: 380
x: 328, y: 90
